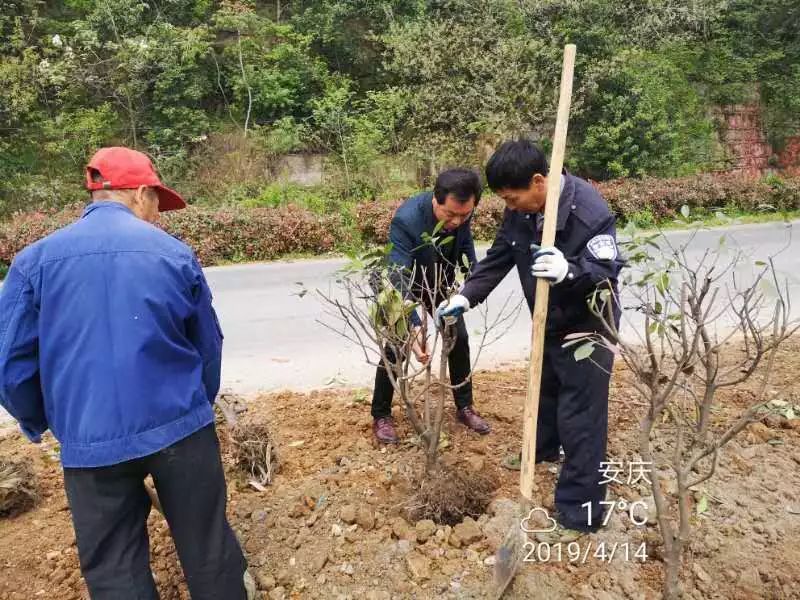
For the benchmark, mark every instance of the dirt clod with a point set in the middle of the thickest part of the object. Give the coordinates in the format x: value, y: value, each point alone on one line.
x: 425, y: 529
x: 418, y: 566
x: 17, y: 487
x: 365, y: 517
x: 348, y: 514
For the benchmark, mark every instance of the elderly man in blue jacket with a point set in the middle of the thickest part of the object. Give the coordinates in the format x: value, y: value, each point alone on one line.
x: 108, y: 338
x: 452, y: 203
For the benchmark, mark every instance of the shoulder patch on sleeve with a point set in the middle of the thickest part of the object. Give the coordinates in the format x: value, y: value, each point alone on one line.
x: 603, y: 247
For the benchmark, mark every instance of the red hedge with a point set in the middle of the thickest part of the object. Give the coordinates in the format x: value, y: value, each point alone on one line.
x: 236, y: 234
x: 216, y: 235
x: 662, y: 198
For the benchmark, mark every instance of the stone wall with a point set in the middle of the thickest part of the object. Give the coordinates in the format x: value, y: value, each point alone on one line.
x: 789, y: 156
x: 743, y: 136
x: 302, y: 169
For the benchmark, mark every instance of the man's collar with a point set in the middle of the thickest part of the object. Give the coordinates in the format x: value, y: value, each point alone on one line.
x: 105, y: 204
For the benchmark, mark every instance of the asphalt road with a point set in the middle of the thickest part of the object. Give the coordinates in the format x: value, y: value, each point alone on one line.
x: 274, y: 339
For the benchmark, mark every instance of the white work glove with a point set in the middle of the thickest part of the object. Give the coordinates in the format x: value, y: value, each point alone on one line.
x: 549, y: 263
x: 452, y: 308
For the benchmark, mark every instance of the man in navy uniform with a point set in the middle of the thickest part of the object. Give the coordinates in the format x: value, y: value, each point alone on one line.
x: 573, y: 408
x: 452, y: 202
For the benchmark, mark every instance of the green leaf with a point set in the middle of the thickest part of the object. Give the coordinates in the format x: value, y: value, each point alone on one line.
x: 760, y: 263
x: 658, y: 308
x: 702, y: 505
x: 465, y: 261
x: 584, y: 351
x: 662, y: 283
x: 448, y: 240
x: 438, y: 227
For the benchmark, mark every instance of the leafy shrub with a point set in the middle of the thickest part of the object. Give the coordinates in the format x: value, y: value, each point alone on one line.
x: 645, y: 201
x: 217, y: 236
x: 664, y: 197
x: 237, y: 233
x: 373, y: 220
x: 24, y: 229
x: 284, y: 194
x: 643, y: 118
x: 254, y: 234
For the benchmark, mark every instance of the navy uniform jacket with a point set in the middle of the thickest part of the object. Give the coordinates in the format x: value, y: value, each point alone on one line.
x: 585, y: 233
x: 413, y: 218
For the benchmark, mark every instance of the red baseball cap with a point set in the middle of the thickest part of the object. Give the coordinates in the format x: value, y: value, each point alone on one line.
x: 126, y: 169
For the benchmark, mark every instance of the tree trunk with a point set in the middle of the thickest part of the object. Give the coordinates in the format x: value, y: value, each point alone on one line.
x: 672, y: 545
x: 672, y: 582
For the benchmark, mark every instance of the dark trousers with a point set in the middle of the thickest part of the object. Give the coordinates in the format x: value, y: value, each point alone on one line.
x: 573, y: 414
x: 110, y: 507
x: 460, y: 366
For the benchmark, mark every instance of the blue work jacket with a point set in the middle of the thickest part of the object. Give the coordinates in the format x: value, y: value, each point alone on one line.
x: 108, y: 338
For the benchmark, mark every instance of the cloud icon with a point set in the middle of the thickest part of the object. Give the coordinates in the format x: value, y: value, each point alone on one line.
x: 525, y: 525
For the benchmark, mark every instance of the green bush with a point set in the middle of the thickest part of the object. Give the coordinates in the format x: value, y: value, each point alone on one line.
x: 644, y: 118
x: 284, y: 194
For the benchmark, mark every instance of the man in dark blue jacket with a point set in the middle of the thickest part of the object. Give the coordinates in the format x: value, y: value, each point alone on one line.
x: 108, y: 338
x: 573, y: 406
x: 452, y: 202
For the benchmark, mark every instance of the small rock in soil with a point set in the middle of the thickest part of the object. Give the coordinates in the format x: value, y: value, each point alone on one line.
x: 467, y: 532
x: 299, y: 510
x: 425, y: 529
x: 350, y: 536
x: 259, y: 515
x: 348, y: 514
x: 402, y: 530
x: 750, y: 579
x: 761, y: 432
x: 279, y: 593
x: 365, y: 517
x: 264, y: 580
x: 418, y: 566
x: 318, y: 562
x: 476, y: 463
x: 700, y: 573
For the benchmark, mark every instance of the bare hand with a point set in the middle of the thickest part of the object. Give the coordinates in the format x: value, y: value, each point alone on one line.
x: 419, y: 346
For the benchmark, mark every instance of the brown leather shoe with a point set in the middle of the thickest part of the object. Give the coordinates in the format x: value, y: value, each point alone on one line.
x: 383, y: 428
x: 473, y: 420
